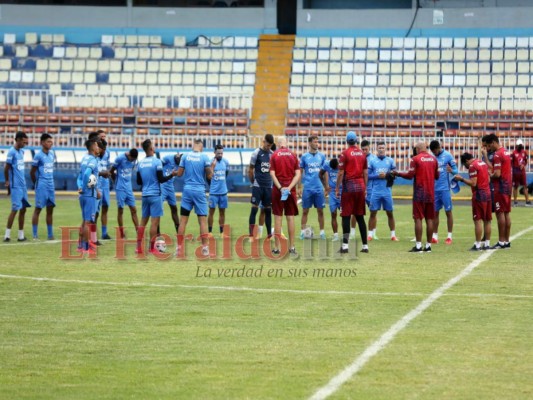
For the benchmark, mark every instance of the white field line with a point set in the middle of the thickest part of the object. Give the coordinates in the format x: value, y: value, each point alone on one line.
x: 347, y: 373
x: 258, y: 290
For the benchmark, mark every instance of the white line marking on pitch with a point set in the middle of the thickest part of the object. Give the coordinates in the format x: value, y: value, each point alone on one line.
x: 29, y: 242
x: 347, y: 373
x: 260, y: 290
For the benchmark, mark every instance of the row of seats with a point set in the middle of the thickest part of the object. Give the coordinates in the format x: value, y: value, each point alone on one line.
x: 412, y: 43
x: 384, y: 133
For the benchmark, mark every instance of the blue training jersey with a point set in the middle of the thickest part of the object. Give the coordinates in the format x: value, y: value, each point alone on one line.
x: 124, y: 169
x: 369, y: 186
x: 15, y: 159
x: 332, y: 176
x: 260, y: 161
x: 311, y: 164
x: 148, y: 168
x: 194, y: 164
x: 169, y: 164
x: 103, y: 165
x: 377, y: 166
x: 444, y: 159
x: 218, y: 182
x: 88, y: 167
x: 44, y: 162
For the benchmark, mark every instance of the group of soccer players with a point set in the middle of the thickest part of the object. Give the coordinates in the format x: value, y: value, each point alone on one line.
x: 355, y: 180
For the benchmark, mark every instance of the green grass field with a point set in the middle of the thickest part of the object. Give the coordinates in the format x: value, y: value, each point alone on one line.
x: 117, y: 329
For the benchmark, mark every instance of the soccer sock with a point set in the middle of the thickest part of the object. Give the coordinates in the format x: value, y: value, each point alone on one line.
x: 210, y: 228
x: 345, y: 230
x: 435, y: 236
x: 449, y: 235
x: 221, y: 227
x: 50, y: 229
x: 92, y: 229
x: 352, y: 231
x: 487, y: 243
x: 21, y: 234
x: 392, y: 233
x: 260, y: 230
x: 365, y: 247
x: 34, y: 230
x: 104, y: 230
x: 362, y: 227
x: 8, y: 233
x: 477, y: 244
x: 428, y: 245
x: 251, y: 220
x: 268, y: 219
x: 140, y: 237
x: 322, y: 232
x: 85, y: 245
x: 418, y: 245
x: 121, y: 232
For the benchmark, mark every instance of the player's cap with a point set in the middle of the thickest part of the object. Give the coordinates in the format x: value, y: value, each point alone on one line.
x: 454, y: 185
x: 351, y: 137
x: 285, y: 194
x: 519, y: 142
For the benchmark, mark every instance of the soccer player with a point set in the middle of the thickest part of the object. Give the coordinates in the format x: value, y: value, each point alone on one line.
x: 313, y: 185
x: 150, y: 176
x: 425, y: 169
x: 502, y: 181
x: 443, y: 196
x: 481, y: 199
x: 42, y: 176
x: 259, y: 175
x: 16, y: 185
x: 378, y: 168
x: 365, y: 146
x: 218, y: 189
x: 519, y: 161
x: 195, y: 167
x: 171, y: 163
x: 122, y: 170
x: 285, y: 173
x: 88, y: 195
x: 103, y: 187
x: 352, y: 179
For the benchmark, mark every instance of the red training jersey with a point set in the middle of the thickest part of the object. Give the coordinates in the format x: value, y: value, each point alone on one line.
x: 502, y: 162
x: 518, y: 160
x: 285, y: 163
x: 480, y: 170
x: 353, y: 162
x: 425, y: 169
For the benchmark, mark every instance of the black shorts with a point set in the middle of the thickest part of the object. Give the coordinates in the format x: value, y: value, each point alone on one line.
x: 261, y: 195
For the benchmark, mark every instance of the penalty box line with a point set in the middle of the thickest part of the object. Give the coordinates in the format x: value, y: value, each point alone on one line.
x: 349, y: 371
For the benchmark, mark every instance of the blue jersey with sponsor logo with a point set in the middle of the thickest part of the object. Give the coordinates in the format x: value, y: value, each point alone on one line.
x: 148, y: 168
x: 260, y: 161
x: 332, y: 176
x: 103, y: 165
x: 311, y: 164
x: 89, y: 166
x: 124, y: 169
x: 370, y: 184
x: 444, y: 159
x: 194, y: 164
x: 218, y: 182
x: 15, y: 159
x: 377, y: 166
x: 169, y: 164
x: 45, y: 170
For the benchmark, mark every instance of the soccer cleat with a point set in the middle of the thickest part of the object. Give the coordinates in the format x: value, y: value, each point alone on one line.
x: 36, y: 239
x: 335, y: 238
x: 323, y: 236
x: 302, y: 236
x: 528, y: 203
x: 507, y: 245
x: 369, y: 238
x: 106, y: 237
x: 474, y: 248
x: 515, y: 203
x: 416, y: 250
x: 98, y: 243
x: 343, y: 251
x: 434, y: 241
x: 485, y: 248
x: 22, y: 240
x: 275, y: 252
x: 498, y: 246
x: 89, y: 252
x: 448, y: 241
x: 139, y: 251
x: 364, y: 251
x: 394, y: 239
x: 205, y: 251
x: 79, y: 250
x: 427, y: 249
x: 6, y: 240
x: 375, y: 237
x: 51, y: 238
x: 293, y: 253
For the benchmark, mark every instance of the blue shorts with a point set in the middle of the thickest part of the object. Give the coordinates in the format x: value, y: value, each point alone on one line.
x: 168, y: 195
x: 19, y: 199
x: 368, y: 197
x: 381, y: 200
x: 88, y: 208
x: 45, y: 198
x: 196, y: 199
x: 316, y: 199
x: 443, y: 198
x: 261, y: 195
x: 103, y: 201
x: 334, y: 202
x: 125, y: 198
x: 218, y: 200
x: 152, y: 206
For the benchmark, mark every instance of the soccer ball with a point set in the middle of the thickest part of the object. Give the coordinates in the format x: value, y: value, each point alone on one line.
x: 160, y: 245
x: 92, y: 182
x: 308, y: 232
